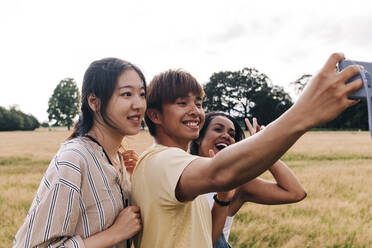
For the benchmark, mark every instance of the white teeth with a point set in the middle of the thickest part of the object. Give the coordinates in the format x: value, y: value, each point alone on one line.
x: 136, y: 118
x: 191, y: 124
x: 221, y: 144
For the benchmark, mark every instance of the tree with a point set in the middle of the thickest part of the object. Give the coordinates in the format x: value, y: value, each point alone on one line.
x: 14, y: 119
x: 355, y: 117
x: 246, y: 93
x: 64, y: 103
x: 301, y: 82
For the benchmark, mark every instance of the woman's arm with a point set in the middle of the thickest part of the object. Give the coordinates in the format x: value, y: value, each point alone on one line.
x: 219, y: 214
x: 285, y: 189
x: 53, y: 220
x: 126, y: 225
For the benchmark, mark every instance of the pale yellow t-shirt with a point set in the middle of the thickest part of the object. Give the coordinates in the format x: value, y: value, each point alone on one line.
x: 167, y: 222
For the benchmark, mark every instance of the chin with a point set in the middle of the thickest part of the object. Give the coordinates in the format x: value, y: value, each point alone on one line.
x: 132, y: 132
x: 194, y: 136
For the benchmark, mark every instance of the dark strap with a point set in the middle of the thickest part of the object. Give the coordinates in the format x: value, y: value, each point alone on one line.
x: 95, y: 141
x: 125, y: 202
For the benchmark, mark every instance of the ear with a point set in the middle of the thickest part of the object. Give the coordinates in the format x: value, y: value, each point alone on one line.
x: 93, y: 102
x: 154, y: 115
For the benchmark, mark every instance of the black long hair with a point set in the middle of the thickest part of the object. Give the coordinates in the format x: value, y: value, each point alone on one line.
x: 239, y: 133
x: 100, y: 79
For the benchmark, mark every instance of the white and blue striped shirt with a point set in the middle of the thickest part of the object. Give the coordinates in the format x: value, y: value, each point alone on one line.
x: 79, y: 195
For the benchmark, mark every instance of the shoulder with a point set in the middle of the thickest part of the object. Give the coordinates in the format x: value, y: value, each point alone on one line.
x: 73, y: 157
x: 162, y: 163
x: 166, y: 156
x: 77, y: 149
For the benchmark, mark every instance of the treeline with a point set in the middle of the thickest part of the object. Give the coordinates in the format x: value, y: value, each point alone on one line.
x: 248, y: 93
x: 13, y: 119
x: 353, y: 118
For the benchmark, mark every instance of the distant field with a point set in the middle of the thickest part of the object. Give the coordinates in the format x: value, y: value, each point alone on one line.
x: 334, y: 167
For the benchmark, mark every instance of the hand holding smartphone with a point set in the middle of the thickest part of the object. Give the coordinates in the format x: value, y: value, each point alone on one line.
x: 366, y: 74
x: 366, y: 90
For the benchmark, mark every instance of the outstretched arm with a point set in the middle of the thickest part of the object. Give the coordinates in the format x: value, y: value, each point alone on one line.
x: 325, y: 97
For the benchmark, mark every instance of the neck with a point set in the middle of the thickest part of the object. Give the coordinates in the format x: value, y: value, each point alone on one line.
x: 171, y: 141
x: 109, y: 138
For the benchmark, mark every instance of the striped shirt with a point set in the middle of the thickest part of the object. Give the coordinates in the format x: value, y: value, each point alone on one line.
x: 79, y: 195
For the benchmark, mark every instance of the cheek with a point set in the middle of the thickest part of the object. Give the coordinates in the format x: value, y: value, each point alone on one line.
x: 143, y: 105
x: 207, y: 143
x: 203, y: 150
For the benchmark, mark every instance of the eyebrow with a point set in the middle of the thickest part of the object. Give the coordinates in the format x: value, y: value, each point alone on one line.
x: 197, y: 98
x: 222, y: 125
x: 129, y: 87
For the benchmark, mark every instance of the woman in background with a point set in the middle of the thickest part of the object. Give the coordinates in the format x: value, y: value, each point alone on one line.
x: 83, y: 199
x: 219, y: 131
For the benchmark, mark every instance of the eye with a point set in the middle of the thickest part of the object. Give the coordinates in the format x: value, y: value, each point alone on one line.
x: 199, y: 105
x: 217, y: 129
x: 232, y: 135
x: 126, y: 94
x: 181, y: 103
x: 143, y: 94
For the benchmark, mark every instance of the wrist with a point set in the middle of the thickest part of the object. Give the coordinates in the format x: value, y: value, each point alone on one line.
x: 221, y: 202
x: 115, y: 235
x: 224, y: 196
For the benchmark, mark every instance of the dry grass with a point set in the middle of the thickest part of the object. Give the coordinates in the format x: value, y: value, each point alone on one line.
x: 334, y: 167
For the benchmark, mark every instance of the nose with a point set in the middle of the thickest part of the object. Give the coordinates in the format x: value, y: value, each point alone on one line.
x: 138, y: 102
x: 195, y: 110
x: 226, y: 136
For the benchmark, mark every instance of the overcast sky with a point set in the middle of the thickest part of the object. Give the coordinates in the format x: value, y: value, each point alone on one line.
x: 43, y: 42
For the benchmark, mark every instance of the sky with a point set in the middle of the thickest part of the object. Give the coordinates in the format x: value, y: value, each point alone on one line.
x: 45, y: 41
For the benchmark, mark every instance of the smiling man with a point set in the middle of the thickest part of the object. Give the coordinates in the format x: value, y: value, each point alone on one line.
x: 169, y: 183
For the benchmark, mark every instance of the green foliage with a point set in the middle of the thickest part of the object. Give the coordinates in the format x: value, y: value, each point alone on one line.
x: 14, y: 119
x: 355, y: 117
x: 246, y: 93
x: 21, y: 161
x: 300, y: 83
x: 44, y: 124
x: 64, y: 103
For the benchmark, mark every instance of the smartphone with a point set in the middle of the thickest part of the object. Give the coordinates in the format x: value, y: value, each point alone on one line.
x: 361, y: 93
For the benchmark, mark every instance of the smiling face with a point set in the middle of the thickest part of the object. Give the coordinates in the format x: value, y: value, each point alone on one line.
x: 220, y: 133
x: 180, y: 122
x: 127, y: 104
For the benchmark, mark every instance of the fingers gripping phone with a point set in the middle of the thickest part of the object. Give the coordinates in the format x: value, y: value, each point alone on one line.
x: 366, y: 90
x: 361, y: 93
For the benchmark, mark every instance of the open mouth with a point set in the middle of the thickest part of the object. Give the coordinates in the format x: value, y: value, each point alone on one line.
x: 134, y: 117
x: 221, y: 146
x: 191, y: 124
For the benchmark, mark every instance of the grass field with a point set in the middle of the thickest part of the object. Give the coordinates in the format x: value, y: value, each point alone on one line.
x: 334, y: 167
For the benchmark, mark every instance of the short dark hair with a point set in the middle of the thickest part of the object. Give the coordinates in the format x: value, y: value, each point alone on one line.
x: 166, y: 87
x: 239, y: 133
x: 100, y: 79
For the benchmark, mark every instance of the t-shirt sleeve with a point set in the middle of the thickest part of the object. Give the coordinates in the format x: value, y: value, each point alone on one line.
x: 209, y: 197
x: 165, y: 170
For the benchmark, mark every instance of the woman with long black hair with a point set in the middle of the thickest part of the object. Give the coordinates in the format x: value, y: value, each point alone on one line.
x: 83, y: 199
